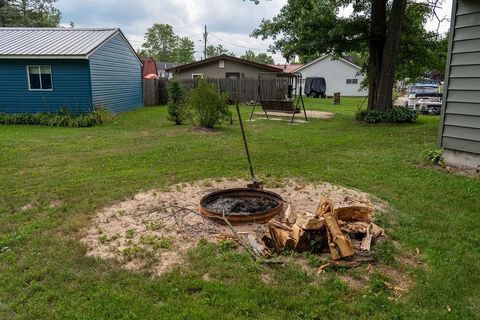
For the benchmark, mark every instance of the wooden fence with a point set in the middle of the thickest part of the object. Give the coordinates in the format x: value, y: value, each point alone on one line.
x: 155, y: 92
x: 246, y: 89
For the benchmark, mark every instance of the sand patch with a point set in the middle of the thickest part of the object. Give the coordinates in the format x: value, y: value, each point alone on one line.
x: 314, y: 114
x: 155, y: 229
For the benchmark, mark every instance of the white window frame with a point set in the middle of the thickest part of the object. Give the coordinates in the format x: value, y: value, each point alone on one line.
x: 221, y: 64
x: 40, y: 73
x: 197, y: 74
x: 352, y: 81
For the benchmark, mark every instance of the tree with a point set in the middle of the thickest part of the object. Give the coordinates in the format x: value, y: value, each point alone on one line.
x: 309, y: 28
x: 260, y: 58
x: 29, y: 13
x: 163, y: 44
x: 213, y: 51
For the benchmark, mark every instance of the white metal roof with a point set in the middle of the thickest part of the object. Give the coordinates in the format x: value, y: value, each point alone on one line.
x: 51, y: 42
x: 323, y: 57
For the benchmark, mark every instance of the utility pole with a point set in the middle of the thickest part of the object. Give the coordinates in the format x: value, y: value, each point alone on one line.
x: 205, y: 35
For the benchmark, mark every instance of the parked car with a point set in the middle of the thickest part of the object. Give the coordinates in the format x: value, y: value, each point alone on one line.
x: 425, y: 97
x: 315, y: 87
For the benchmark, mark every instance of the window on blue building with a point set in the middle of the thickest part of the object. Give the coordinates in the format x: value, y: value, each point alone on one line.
x: 40, y: 78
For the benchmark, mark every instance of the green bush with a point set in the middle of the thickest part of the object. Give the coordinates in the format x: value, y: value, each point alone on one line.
x: 395, y: 115
x: 208, y: 107
x: 434, y: 156
x: 177, y: 112
x: 63, y: 118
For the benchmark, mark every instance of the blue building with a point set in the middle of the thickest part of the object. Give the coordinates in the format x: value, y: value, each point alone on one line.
x: 45, y: 69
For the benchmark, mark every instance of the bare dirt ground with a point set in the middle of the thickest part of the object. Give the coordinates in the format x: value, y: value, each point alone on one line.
x: 155, y: 229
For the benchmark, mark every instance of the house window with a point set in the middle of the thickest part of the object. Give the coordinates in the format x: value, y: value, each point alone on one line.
x: 197, y: 76
x: 232, y: 75
x: 40, y: 78
x: 221, y: 64
x: 352, y: 81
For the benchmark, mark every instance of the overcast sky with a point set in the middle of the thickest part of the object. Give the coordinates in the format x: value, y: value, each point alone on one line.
x: 229, y: 22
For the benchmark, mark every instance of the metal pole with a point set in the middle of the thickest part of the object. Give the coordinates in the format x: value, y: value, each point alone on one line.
x: 255, y: 184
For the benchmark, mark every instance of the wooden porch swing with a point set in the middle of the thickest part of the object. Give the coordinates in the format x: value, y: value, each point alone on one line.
x: 288, y: 103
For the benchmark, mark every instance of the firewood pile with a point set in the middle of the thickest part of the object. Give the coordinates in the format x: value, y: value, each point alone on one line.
x: 346, y: 232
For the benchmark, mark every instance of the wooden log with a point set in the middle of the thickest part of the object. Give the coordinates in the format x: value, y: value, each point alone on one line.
x: 308, y: 221
x: 280, y: 235
x: 290, y: 216
x: 259, y: 248
x: 341, y: 241
x: 354, y: 213
x: 366, y: 241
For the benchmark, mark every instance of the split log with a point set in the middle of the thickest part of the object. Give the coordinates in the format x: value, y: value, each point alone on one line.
x: 259, y: 248
x: 284, y: 237
x: 362, y: 228
x: 361, y: 212
x: 308, y: 221
x: 280, y: 235
x: 366, y: 241
x: 341, y: 241
x: 290, y: 216
x: 339, y: 244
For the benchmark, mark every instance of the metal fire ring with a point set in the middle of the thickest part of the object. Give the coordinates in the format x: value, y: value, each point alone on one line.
x: 242, y: 193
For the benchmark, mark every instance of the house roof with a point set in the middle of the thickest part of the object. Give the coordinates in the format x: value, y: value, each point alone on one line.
x: 288, y: 68
x: 326, y: 56
x: 52, y: 42
x: 224, y: 57
x: 167, y: 65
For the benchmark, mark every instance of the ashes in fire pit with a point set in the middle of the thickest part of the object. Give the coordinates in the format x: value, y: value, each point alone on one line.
x: 238, y: 206
x: 241, y: 205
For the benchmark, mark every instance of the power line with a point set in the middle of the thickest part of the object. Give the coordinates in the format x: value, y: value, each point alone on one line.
x: 237, y: 45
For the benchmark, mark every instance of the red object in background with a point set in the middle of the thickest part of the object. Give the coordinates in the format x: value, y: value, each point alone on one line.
x: 151, y: 76
x: 149, y: 68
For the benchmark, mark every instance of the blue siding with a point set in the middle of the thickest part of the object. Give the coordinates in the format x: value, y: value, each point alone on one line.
x: 116, y: 76
x: 71, y: 87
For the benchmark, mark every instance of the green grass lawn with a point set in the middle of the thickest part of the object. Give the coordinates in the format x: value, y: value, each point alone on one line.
x: 44, y: 273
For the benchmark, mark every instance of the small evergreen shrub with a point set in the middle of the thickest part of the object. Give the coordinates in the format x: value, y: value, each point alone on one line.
x: 62, y: 118
x: 434, y: 156
x: 208, y: 108
x: 395, y: 115
x: 177, y: 112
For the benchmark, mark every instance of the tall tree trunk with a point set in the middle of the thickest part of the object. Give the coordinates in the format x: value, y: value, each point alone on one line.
x: 383, y: 100
x: 378, y: 32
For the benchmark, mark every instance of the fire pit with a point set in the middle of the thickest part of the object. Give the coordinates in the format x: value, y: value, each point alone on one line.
x: 241, y: 205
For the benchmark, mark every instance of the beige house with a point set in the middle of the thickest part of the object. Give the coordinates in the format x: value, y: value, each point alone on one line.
x: 221, y: 67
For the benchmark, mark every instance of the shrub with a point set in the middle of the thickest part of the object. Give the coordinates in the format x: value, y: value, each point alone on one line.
x: 62, y: 118
x: 176, y: 102
x: 395, y: 115
x: 434, y: 156
x: 207, y: 106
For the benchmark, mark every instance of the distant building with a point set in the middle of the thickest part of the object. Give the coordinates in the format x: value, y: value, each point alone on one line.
x: 340, y: 75
x: 149, y: 68
x: 46, y: 69
x: 163, y: 66
x: 222, y: 66
x: 460, y: 119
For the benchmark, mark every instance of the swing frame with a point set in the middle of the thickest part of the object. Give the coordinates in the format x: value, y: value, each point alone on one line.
x: 295, y: 99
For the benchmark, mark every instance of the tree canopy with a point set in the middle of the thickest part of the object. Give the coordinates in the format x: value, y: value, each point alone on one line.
x: 260, y: 58
x: 217, y: 50
x: 29, y: 13
x: 388, y: 34
x: 162, y: 44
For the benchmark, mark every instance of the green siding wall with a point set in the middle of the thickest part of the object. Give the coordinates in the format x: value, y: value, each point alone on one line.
x: 460, y: 126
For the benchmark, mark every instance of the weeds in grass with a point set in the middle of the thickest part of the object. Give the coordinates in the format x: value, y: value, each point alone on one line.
x: 63, y: 118
x: 129, y: 233
x: 156, y: 242
x: 434, y: 156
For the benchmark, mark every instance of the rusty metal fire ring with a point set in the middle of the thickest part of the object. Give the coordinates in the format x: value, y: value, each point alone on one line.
x: 242, y: 193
